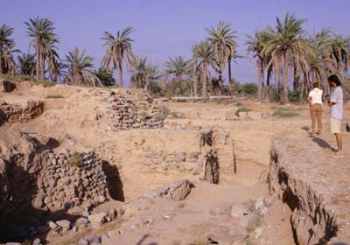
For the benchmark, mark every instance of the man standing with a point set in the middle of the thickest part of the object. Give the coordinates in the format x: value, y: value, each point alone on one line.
x: 336, y: 105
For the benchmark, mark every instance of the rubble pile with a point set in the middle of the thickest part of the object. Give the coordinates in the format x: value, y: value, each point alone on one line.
x: 16, y: 113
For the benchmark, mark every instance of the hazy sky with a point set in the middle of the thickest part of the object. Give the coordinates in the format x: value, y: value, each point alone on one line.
x: 167, y: 28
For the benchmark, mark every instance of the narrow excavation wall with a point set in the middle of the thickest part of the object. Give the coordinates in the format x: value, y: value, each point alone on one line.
x: 297, y: 177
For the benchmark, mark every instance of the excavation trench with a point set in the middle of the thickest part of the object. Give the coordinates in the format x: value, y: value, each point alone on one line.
x: 314, y: 218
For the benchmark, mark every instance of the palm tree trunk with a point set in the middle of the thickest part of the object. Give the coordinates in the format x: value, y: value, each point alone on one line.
x: 1, y: 51
x: 37, y: 64
x: 146, y: 84
x: 121, y: 82
x: 1, y: 64
x: 42, y: 68
x: 205, y: 81
x: 195, y: 86
x: 195, y: 82
x: 260, y: 73
x: 229, y: 69
x: 268, y: 82
x: 324, y: 82
x: 116, y: 77
x: 76, y: 77
x: 285, y: 80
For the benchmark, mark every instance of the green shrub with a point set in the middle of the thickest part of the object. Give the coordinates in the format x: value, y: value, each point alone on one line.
x: 44, y: 83
x: 296, y: 96
x: 74, y: 159
x: 163, y: 112
x: 106, y: 77
x: 242, y: 109
x: 275, y: 95
x: 248, y: 89
x: 284, y: 112
x: 54, y: 96
x: 178, y: 88
x: 156, y: 89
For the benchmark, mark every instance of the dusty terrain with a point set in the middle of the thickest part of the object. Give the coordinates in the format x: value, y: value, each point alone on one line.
x: 238, y: 210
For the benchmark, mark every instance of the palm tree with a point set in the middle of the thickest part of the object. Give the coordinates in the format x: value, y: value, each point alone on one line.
x: 8, y: 63
x: 340, y: 53
x: 178, y: 68
x: 286, y: 47
x: 26, y: 63
x: 255, y: 46
x: 332, y: 51
x: 143, y: 74
x: 7, y: 45
x: 54, y: 64
x: 222, y: 39
x: 203, y: 57
x: 79, y: 67
x: 44, y: 38
x: 118, y: 48
x: 322, y: 61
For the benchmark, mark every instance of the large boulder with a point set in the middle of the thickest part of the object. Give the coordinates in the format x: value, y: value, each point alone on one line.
x: 177, y: 191
x: 7, y: 86
x: 98, y: 219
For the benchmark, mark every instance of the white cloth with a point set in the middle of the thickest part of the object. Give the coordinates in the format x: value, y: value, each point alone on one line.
x: 335, y: 126
x: 337, y: 98
x: 316, y: 96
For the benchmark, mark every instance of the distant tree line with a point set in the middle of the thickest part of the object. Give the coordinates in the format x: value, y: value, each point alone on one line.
x: 288, y: 61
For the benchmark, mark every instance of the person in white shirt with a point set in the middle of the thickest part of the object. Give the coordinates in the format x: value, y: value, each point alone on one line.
x: 336, y: 104
x: 315, y: 103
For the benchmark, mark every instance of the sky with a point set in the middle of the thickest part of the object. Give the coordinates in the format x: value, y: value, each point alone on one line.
x: 165, y: 28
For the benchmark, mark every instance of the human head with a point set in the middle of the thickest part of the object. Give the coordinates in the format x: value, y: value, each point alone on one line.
x: 334, y: 81
x: 316, y: 85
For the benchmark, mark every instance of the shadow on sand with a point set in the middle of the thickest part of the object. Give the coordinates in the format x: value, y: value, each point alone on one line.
x: 322, y: 143
x: 115, y: 185
x: 143, y: 239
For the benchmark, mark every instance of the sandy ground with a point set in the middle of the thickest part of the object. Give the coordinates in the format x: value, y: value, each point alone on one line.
x: 71, y: 119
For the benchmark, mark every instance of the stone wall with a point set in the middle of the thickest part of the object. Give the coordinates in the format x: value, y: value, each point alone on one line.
x: 70, y: 180
x: 35, y: 179
x: 142, y: 112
